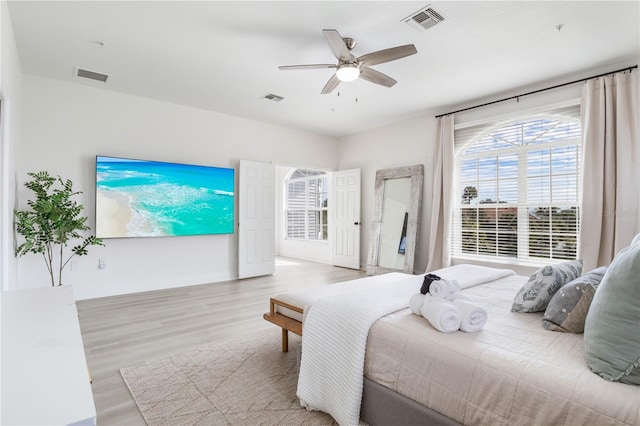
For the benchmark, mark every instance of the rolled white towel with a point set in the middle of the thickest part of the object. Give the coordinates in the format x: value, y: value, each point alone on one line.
x: 474, y: 317
x: 457, y: 296
x: 443, y: 288
x: 442, y: 315
x: 415, y: 303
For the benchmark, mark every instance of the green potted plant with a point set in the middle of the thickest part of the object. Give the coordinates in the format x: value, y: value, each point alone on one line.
x: 53, y: 221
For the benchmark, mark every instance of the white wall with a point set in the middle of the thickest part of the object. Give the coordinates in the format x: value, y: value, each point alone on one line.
x: 10, y: 93
x: 407, y: 143
x: 64, y: 126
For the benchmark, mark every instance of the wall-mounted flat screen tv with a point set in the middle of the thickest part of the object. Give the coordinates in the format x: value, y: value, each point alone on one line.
x: 137, y: 198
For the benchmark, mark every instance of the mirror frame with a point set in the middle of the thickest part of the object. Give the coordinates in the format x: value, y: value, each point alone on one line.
x: 416, y: 173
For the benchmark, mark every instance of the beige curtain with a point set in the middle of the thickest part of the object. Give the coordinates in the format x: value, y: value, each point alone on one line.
x: 610, y: 214
x: 443, y: 171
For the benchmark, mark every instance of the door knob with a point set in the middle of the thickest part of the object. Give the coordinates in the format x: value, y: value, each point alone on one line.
x: 356, y: 223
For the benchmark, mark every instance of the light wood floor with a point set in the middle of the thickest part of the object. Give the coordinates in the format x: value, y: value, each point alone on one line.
x: 121, y: 331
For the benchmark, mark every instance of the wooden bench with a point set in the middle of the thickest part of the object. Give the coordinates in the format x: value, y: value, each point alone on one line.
x: 287, y: 324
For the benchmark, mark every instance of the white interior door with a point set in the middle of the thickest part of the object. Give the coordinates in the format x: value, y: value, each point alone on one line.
x: 257, y: 223
x: 346, y: 219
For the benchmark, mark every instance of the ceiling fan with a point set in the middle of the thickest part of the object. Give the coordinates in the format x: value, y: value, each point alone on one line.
x: 349, y: 68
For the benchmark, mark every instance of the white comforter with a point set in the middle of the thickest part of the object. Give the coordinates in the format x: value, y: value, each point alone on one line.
x: 512, y: 373
x: 335, y: 333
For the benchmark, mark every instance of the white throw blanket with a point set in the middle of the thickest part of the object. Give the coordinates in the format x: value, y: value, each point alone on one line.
x: 472, y: 275
x: 334, y: 340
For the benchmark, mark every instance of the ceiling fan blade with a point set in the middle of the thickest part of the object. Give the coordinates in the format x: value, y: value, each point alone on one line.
x: 331, y: 84
x: 387, y: 55
x: 376, y: 77
x: 337, y: 45
x: 307, y: 67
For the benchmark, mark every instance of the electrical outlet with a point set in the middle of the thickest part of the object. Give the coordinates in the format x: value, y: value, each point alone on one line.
x: 102, y: 264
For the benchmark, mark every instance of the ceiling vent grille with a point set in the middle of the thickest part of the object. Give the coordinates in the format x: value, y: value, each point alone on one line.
x: 272, y: 97
x: 91, y: 75
x: 424, y: 19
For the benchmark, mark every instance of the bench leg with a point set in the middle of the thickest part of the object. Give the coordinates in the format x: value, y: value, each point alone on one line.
x: 285, y: 340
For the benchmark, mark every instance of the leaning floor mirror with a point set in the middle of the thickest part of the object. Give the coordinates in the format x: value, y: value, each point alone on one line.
x: 397, y: 210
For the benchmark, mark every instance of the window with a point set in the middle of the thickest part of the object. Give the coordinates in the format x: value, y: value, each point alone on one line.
x: 517, y: 192
x: 306, y: 205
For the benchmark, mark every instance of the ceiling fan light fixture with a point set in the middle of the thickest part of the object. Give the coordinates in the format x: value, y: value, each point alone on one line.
x: 350, y: 68
x: 348, y: 72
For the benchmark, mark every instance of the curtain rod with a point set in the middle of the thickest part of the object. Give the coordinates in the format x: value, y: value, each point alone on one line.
x: 538, y: 91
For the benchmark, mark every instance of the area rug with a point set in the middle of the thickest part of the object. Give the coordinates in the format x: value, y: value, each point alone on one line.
x: 243, y: 381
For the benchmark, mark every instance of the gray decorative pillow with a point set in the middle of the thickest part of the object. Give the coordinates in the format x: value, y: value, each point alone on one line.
x: 612, y: 327
x: 568, y: 308
x: 535, y: 295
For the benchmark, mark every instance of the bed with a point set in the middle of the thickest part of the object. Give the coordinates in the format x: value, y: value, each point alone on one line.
x: 513, y: 372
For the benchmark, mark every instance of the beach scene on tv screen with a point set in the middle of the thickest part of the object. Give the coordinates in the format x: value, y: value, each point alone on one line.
x: 137, y: 198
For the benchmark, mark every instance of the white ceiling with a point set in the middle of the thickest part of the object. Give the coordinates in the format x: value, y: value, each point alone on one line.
x: 224, y: 56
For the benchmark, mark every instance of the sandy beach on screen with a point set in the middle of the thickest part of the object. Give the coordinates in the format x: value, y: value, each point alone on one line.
x: 115, y: 214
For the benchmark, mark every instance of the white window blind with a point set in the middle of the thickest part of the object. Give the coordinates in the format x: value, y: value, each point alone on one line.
x: 517, y: 188
x: 307, y: 205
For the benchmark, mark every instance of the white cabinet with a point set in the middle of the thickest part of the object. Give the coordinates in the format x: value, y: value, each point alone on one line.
x: 45, y: 379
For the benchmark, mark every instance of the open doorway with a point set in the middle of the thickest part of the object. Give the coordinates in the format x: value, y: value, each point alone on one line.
x: 312, y: 215
x: 318, y: 215
x: 302, y: 213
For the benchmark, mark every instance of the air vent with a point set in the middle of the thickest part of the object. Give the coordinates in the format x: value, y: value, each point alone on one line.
x: 91, y: 75
x: 272, y: 97
x: 424, y: 19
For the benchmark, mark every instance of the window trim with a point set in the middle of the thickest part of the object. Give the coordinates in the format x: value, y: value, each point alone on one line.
x: 314, y: 175
x: 482, y: 129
